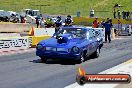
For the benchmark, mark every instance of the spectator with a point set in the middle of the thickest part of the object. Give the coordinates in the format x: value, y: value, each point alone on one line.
x: 37, y: 21
x: 114, y: 13
x: 115, y: 31
x: 42, y: 23
x: 68, y: 21
x: 119, y: 27
x: 119, y: 14
x: 58, y: 24
x: 111, y: 22
x: 123, y: 15
x: 108, y: 27
x: 102, y: 23
x: 127, y: 14
x: 25, y: 19
x: 96, y: 23
x: 21, y: 19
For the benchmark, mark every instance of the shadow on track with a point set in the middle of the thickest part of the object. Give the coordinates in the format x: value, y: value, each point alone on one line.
x: 61, y: 62
x: 58, y: 61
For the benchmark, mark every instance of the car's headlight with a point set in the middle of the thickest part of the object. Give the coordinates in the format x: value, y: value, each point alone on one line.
x: 75, y: 49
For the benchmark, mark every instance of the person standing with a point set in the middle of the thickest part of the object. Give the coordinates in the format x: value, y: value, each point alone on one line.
x: 107, y: 26
x: 114, y: 13
x: 42, y: 23
x: 102, y: 24
x: 123, y: 15
x: 96, y: 23
x: 119, y: 27
x: 25, y: 19
x: 68, y: 21
x: 58, y: 24
x: 127, y: 14
x: 119, y: 14
x: 37, y: 21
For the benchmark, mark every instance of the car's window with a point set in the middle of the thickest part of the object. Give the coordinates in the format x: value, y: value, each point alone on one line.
x: 91, y: 34
x: 97, y: 33
x: 75, y: 32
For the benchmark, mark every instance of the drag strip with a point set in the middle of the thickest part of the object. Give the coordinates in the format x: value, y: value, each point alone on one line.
x: 17, y: 56
x: 27, y: 71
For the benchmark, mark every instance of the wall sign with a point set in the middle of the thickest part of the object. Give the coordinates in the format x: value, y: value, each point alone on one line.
x: 22, y: 43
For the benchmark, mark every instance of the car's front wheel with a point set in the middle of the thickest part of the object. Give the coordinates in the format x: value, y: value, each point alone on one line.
x: 44, y: 60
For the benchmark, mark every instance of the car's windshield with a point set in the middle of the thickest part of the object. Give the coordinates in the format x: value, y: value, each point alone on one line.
x: 75, y: 32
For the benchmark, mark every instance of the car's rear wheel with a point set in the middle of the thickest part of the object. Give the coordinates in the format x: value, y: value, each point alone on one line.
x: 44, y: 60
x: 82, y: 57
x: 96, y: 53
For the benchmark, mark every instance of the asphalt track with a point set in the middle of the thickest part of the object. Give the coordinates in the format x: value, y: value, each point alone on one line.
x: 27, y: 71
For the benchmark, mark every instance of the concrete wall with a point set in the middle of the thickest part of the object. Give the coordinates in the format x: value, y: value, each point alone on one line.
x: 15, y: 43
x: 18, y: 27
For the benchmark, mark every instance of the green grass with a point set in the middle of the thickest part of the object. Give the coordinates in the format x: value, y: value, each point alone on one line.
x: 103, y: 8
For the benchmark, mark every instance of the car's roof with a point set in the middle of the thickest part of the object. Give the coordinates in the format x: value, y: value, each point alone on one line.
x: 78, y: 27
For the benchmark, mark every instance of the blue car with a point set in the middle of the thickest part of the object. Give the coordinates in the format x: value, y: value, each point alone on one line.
x: 75, y: 43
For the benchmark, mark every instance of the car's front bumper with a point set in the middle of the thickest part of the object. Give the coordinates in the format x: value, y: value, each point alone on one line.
x: 57, y: 55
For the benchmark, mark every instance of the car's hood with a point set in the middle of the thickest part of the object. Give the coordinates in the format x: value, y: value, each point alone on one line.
x: 53, y: 42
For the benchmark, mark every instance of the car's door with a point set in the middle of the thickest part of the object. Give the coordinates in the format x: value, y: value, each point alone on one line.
x: 92, y: 41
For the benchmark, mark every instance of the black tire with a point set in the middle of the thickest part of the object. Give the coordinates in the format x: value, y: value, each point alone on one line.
x: 83, y: 57
x: 101, y: 45
x: 44, y: 60
x: 96, y: 53
x: 80, y: 60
